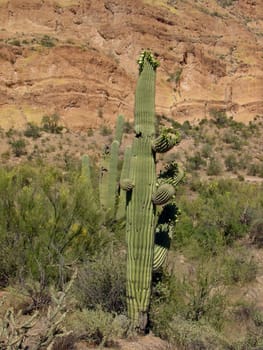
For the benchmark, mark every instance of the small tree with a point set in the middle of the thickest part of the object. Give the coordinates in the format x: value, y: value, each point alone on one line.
x: 18, y: 147
x: 50, y: 123
x: 32, y: 130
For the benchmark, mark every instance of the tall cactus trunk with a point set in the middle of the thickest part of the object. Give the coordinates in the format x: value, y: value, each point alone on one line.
x: 148, y: 230
x: 140, y: 209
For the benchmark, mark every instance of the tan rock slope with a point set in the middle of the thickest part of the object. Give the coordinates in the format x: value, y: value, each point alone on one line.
x: 77, y: 58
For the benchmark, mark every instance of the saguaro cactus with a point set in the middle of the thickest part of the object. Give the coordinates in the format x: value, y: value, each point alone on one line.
x: 146, y: 192
x: 150, y: 210
x: 109, y: 177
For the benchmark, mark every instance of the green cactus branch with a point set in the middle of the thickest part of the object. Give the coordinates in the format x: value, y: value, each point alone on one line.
x: 164, y: 233
x: 164, y: 193
x: 165, y: 141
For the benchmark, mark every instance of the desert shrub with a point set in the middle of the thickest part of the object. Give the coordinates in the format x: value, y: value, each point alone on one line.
x: 233, y: 139
x: 32, y: 130
x: 214, y: 167
x: 90, y: 132
x: 128, y: 127
x: 219, y: 117
x: 186, y: 126
x: 248, y: 313
x: 11, y: 132
x: 189, y: 311
x: 18, y: 147
x: 255, y: 169
x: 101, y: 282
x: 46, y: 219
x: 15, y: 42
x: 47, y: 41
x: 50, y: 123
x: 175, y: 77
x: 192, y: 335
x: 20, y: 332
x: 231, y: 162
x: 256, y: 231
x: 206, y: 150
x: 214, y: 215
x: 97, y: 326
x: 239, y: 268
x: 105, y: 130
x: 225, y: 3
x: 195, y: 162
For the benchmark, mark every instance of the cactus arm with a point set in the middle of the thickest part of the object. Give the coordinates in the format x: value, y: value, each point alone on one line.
x: 163, y: 194
x: 125, y: 182
x: 85, y: 167
x: 125, y: 185
x: 163, y: 234
x: 109, y: 174
x: 113, y: 178
x: 87, y: 180
x: 119, y: 128
x: 160, y: 255
x: 165, y: 141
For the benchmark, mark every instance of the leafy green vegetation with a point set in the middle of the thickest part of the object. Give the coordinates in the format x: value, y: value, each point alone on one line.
x: 18, y: 147
x: 50, y: 123
x: 47, y: 41
x: 47, y: 219
x: 225, y: 3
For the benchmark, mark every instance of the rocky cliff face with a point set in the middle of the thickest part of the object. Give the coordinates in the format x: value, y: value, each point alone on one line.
x: 77, y: 58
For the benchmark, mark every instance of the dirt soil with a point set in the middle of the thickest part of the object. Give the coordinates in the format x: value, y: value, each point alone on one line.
x: 148, y: 342
x: 77, y: 58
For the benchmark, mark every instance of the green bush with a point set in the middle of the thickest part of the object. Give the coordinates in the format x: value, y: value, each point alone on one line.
x: 47, y: 41
x: 196, y: 162
x: 46, y: 219
x: 50, y: 123
x: 191, y: 335
x: 238, y: 268
x: 231, y: 163
x: 101, y: 282
x: 105, y: 130
x: 255, y: 169
x: 219, y: 117
x: 214, y: 167
x: 175, y: 77
x: 186, y: 312
x: 206, y: 150
x: 225, y: 3
x: 233, y: 140
x: 32, y: 130
x: 18, y: 147
x: 97, y: 326
x: 214, y: 215
x: 15, y: 42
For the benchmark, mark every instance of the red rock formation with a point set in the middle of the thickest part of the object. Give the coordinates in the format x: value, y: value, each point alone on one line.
x: 211, y: 57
